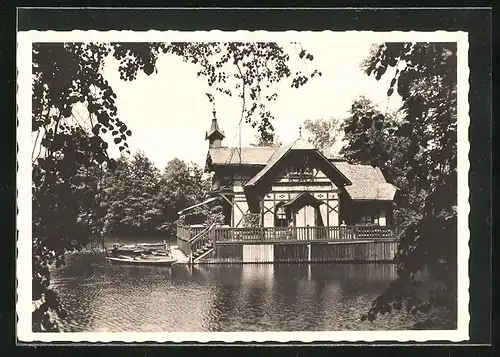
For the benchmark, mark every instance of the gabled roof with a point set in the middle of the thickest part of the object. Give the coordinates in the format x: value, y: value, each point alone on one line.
x: 298, y: 144
x: 363, y: 182
x: 278, y: 154
x: 368, y: 183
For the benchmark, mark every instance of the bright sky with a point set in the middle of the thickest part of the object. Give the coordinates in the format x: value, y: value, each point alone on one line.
x: 169, y: 113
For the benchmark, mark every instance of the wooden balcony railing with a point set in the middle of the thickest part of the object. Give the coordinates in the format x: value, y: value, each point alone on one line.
x: 338, y: 233
x: 305, y: 233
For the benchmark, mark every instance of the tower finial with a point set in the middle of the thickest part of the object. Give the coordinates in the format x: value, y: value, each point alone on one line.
x: 215, y: 135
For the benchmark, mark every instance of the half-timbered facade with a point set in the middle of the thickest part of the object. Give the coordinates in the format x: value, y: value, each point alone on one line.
x: 295, y: 186
x: 291, y: 204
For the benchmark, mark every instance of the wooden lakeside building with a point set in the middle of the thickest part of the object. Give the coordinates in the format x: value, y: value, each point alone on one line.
x: 292, y: 204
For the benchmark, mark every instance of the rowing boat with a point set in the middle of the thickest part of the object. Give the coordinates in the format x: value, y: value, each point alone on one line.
x: 149, y: 260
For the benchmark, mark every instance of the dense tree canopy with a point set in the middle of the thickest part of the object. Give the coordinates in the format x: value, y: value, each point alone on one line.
x: 369, y: 139
x: 65, y: 212
x: 139, y: 199
x: 181, y: 185
x: 425, y: 78
x: 367, y: 134
x: 129, y: 194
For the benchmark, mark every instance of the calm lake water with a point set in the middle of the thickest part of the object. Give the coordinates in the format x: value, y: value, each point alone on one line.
x: 293, y: 297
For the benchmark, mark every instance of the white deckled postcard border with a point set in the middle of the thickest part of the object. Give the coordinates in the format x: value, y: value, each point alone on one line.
x: 23, y: 260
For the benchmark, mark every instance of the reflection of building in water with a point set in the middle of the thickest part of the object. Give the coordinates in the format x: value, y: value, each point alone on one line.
x: 264, y: 273
x: 370, y: 272
x: 223, y: 283
x: 289, y: 282
x: 238, y: 289
x: 301, y: 294
x: 355, y: 278
x: 257, y: 282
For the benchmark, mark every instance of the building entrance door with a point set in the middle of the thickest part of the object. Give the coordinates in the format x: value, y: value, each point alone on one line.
x: 305, y: 208
x: 306, y: 219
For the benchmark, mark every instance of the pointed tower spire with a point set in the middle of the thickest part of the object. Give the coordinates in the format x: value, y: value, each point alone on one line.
x: 215, y: 135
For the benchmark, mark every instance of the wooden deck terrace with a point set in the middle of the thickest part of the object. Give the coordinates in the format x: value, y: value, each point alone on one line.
x: 288, y: 244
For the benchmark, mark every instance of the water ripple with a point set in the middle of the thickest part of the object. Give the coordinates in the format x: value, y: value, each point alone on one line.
x: 103, y: 297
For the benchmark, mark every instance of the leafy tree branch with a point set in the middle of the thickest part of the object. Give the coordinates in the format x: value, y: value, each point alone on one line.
x: 72, y: 154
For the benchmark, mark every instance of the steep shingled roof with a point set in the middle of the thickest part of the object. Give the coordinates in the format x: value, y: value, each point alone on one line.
x: 278, y: 154
x: 298, y: 144
x: 249, y: 155
x: 368, y: 183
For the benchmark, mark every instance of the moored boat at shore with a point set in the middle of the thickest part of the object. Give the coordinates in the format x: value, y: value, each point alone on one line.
x: 141, y: 254
x: 150, y: 260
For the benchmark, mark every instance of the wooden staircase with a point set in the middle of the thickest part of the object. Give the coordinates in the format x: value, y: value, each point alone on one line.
x: 201, y: 245
x: 199, y: 253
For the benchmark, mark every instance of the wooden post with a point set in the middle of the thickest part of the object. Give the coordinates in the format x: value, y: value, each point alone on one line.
x: 214, y: 239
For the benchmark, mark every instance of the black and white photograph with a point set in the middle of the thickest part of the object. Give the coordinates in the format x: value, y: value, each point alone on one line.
x: 242, y: 186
